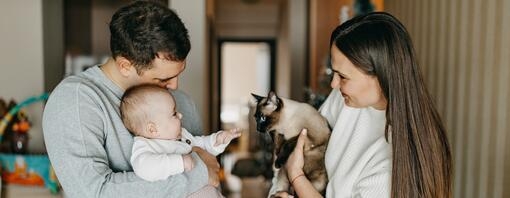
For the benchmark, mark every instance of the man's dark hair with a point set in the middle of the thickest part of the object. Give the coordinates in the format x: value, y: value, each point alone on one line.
x: 141, y: 30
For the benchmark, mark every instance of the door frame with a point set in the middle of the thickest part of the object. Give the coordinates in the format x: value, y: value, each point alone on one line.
x: 216, y: 86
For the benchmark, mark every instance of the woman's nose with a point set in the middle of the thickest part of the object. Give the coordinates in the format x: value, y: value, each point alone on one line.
x: 335, y: 82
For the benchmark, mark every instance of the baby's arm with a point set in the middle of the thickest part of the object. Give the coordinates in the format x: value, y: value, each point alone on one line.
x: 214, y: 143
x: 152, y: 166
x: 224, y: 137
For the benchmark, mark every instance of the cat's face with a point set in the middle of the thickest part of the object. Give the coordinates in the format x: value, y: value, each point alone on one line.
x: 267, y: 113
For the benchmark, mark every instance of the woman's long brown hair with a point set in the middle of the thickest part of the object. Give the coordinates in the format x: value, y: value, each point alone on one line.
x: 378, y: 44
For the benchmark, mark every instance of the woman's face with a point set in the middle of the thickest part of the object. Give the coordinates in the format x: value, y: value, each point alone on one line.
x: 358, y: 89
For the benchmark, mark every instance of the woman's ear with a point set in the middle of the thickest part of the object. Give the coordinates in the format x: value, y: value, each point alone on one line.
x: 124, y: 66
x: 152, y: 130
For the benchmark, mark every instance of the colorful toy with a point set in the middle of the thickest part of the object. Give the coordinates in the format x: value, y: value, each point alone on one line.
x: 28, y: 170
x: 9, y: 115
x: 21, y: 168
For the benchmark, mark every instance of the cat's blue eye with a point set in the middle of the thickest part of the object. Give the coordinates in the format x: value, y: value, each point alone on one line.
x: 262, y: 118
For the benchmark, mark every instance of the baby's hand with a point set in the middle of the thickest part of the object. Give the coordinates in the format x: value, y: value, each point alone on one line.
x: 225, y: 137
x: 188, y: 162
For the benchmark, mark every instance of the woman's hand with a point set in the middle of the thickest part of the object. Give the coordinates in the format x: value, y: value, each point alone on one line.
x: 294, y: 167
x: 283, y: 195
x: 213, y: 167
x: 296, y: 160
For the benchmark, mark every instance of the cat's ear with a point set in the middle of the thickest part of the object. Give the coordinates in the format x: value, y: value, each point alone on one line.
x: 273, y: 98
x: 257, y: 97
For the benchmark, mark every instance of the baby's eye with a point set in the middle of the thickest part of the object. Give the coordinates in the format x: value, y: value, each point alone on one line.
x: 174, y: 114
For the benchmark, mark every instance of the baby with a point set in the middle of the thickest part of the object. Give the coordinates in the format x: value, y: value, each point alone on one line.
x: 161, y: 146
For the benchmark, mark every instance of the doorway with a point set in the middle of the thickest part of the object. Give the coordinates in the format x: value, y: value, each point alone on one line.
x: 245, y: 67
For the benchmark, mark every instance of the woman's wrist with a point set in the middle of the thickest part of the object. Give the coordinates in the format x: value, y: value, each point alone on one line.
x: 296, y: 178
x: 294, y: 174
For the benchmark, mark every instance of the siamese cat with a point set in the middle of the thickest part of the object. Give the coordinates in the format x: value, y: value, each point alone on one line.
x: 284, y: 119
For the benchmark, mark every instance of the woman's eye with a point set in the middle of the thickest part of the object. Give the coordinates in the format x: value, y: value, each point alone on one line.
x: 342, y: 77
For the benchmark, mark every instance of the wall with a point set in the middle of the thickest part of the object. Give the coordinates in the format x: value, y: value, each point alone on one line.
x: 283, y: 67
x: 297, y: 42
x: 53, y: 43
x: 245, y: 70
x: 237, y: 19
x: 101, y: 13
x: 77, y: 27
x: 195, y: 79
x: 464, y: 50
x: 324, y: 17
x: 21, y: 55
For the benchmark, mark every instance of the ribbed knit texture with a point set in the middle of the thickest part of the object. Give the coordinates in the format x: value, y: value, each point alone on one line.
x: 358, y: 158
x: 206, y: 192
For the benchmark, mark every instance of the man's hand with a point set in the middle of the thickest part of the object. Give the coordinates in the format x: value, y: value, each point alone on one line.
x: 213, y: 167
x: 224, y: 137
x: 188, y: 162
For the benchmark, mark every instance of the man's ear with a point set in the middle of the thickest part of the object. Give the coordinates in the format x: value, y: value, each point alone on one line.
x: 152, y: 130
x: 124, y: 66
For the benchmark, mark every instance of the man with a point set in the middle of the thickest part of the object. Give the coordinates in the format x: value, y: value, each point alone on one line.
x: 87, y: 143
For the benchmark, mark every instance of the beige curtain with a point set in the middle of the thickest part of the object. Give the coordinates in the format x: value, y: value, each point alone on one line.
x: 464, y: 50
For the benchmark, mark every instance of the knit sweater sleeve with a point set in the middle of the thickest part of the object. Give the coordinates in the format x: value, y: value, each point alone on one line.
x: 80, y: 135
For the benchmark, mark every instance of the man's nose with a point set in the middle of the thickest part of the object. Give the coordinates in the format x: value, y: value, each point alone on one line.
x: 172, y: 84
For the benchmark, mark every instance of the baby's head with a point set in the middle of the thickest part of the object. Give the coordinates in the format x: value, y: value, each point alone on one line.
x: 149, y: 111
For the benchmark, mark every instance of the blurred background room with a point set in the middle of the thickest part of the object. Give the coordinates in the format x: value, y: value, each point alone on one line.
x: 254, y: 46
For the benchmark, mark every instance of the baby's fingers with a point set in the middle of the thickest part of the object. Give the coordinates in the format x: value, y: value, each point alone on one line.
x: 236, y: 132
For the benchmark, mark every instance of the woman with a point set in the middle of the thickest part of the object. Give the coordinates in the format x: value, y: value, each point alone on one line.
x: 388, y: 139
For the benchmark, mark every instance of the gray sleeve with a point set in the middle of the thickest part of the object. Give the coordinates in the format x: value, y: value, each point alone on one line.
x: 191, y: 118
x: 73, y: 127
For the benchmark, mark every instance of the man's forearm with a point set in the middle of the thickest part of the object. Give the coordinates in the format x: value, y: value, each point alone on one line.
x: 90, y: 183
